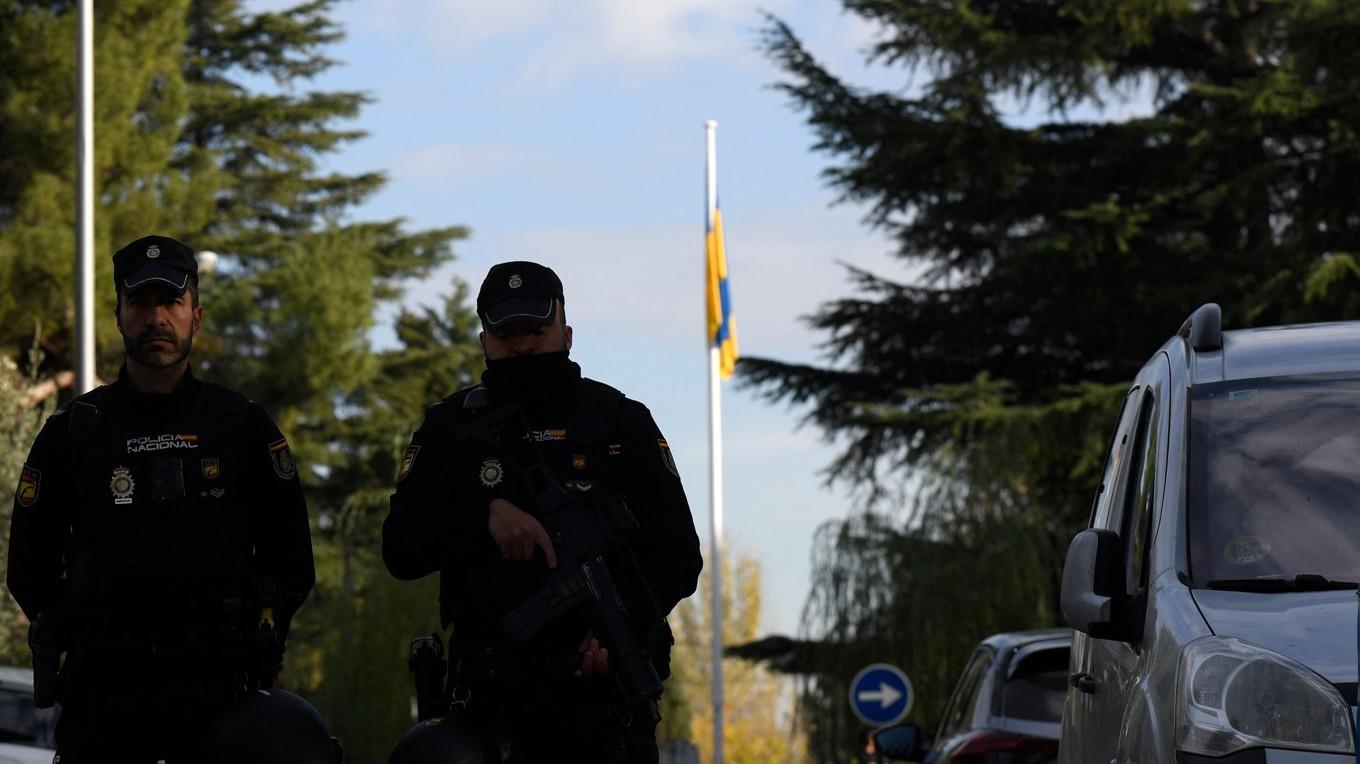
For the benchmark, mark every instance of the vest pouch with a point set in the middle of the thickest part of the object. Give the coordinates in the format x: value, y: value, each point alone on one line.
x: 167, y: 479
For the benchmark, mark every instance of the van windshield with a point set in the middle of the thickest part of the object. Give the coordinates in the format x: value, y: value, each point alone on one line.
x: 1274, y: 478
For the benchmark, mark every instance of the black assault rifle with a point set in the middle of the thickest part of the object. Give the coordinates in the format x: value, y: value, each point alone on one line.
x: 582, y: 527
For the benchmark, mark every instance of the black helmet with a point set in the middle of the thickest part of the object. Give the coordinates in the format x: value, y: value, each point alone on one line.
x: 272, y: 727
x: 443, y: 741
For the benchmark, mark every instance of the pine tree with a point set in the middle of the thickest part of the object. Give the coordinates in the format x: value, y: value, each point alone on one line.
x: 1063, y: 254
x: 1055, y: 257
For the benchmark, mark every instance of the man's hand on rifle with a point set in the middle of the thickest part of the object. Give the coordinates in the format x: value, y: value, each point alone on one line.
x: 517, y: 532
x: 594, y: 656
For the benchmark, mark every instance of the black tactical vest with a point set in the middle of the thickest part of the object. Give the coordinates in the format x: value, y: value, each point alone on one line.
x: 161, y: 526
x: 573, y: 443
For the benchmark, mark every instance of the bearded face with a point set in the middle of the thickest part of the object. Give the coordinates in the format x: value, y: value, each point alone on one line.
x: 158, y: 326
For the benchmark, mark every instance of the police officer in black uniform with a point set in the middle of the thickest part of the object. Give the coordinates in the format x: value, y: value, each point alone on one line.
x: 159, y: 536
x: 464, y: 507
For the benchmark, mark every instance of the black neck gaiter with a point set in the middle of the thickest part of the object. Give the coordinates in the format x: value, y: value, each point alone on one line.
x: 532, y: 380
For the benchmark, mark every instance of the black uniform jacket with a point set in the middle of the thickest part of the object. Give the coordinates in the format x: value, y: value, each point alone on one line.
x: 591, y: 438
x: 169, y: 490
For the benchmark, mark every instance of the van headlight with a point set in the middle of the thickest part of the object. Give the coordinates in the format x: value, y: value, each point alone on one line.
x: 1235, y: 695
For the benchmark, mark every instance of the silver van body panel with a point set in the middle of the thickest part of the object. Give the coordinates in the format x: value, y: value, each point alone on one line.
x: 1147, y: 729
x: 1317, y: 629
x: 1283, y: 350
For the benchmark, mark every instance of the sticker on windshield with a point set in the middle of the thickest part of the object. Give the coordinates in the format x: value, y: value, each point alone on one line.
x: 1242, y: 395
x: 1246, y: 550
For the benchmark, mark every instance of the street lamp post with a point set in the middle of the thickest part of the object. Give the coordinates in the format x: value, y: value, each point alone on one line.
x: 84, y: 265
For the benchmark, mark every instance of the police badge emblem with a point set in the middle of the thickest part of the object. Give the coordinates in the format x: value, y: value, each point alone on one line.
x: 282, y: 457
x: 153, y: 251
x: 27, y: 494
x: 515, y: 281
x: 491, y: 473
x: 211, y: 468
x: 121, y: 485
x: 408, y: 460
x: 578, y: 461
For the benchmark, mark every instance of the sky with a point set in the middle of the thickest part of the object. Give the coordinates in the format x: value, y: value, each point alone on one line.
x: 572, y: 134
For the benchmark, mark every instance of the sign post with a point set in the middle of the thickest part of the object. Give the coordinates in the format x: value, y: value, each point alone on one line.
x: 881, y: 695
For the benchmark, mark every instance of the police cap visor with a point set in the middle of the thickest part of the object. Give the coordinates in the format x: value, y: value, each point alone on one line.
x: 155, y: 275
x: 532, y: 310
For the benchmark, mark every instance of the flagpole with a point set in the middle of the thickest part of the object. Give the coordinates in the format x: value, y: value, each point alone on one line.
x: 715, y: 466
x: 84, y: 265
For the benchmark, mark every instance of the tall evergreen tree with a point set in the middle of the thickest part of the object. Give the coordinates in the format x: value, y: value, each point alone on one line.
x: 1057, y: 257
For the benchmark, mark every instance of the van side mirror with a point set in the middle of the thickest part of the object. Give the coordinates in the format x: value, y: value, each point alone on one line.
x: 899, y: 743
x: 1093, y: 590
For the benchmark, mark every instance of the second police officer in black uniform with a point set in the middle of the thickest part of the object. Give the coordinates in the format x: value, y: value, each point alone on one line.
x: 159, y: 537
x: 466, y: 506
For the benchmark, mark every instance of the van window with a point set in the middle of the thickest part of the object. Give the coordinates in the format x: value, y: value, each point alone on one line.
x: 1273, y: 489
x: 1106, y: 501
x: 1140, y: 492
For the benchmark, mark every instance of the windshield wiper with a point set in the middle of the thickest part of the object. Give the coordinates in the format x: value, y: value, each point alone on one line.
x: 1304, y: 582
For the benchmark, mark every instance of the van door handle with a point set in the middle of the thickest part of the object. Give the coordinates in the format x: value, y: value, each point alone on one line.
x: 1084, y: 682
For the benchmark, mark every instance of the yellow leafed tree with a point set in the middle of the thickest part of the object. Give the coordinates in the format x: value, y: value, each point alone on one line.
x: 758, y: 705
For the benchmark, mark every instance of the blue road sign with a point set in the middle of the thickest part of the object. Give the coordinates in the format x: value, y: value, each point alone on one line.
x: 881, y: 695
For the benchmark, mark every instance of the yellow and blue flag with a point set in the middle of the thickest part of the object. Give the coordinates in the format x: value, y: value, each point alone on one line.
x: 722, y: 327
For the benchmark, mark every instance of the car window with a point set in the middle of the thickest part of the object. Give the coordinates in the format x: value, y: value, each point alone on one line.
x: 1037, y: 687
x: 1273, y: 489
x: 1139, y: 491
x: 958, y: 714
x: 1114, y: 460
x: 21, y: 723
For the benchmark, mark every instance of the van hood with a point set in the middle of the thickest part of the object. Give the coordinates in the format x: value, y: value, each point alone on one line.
x: 1317, y: 629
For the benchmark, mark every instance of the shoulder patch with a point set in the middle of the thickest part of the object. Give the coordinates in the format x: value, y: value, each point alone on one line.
x: 408, y: 460
x: 29, y: 482
x: 282, y: 458
x: 666, y: 457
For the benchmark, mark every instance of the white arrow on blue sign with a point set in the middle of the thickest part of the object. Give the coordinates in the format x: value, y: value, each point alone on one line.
x: 881, y: 695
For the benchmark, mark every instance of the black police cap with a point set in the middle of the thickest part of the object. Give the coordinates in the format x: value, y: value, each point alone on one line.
x: 154, y: 261
x: 518, y: 291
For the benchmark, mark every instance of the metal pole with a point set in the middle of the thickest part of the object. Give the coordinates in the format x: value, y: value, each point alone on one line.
x: 84, y: 265
x: 715, y: 468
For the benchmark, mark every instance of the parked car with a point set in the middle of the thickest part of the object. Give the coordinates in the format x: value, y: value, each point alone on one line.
x: 27, y: 734
x: 1214, y: 592
x: 1005, y: 707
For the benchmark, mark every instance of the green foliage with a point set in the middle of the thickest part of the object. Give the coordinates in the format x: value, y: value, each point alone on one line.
x: 22, y: 413
x: 902, y: 596
x: 1056, y: 256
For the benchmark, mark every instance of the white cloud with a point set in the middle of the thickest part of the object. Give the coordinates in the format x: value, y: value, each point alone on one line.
x: 647, y: 281
x: 626, y: 38
x: 458, y: 163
